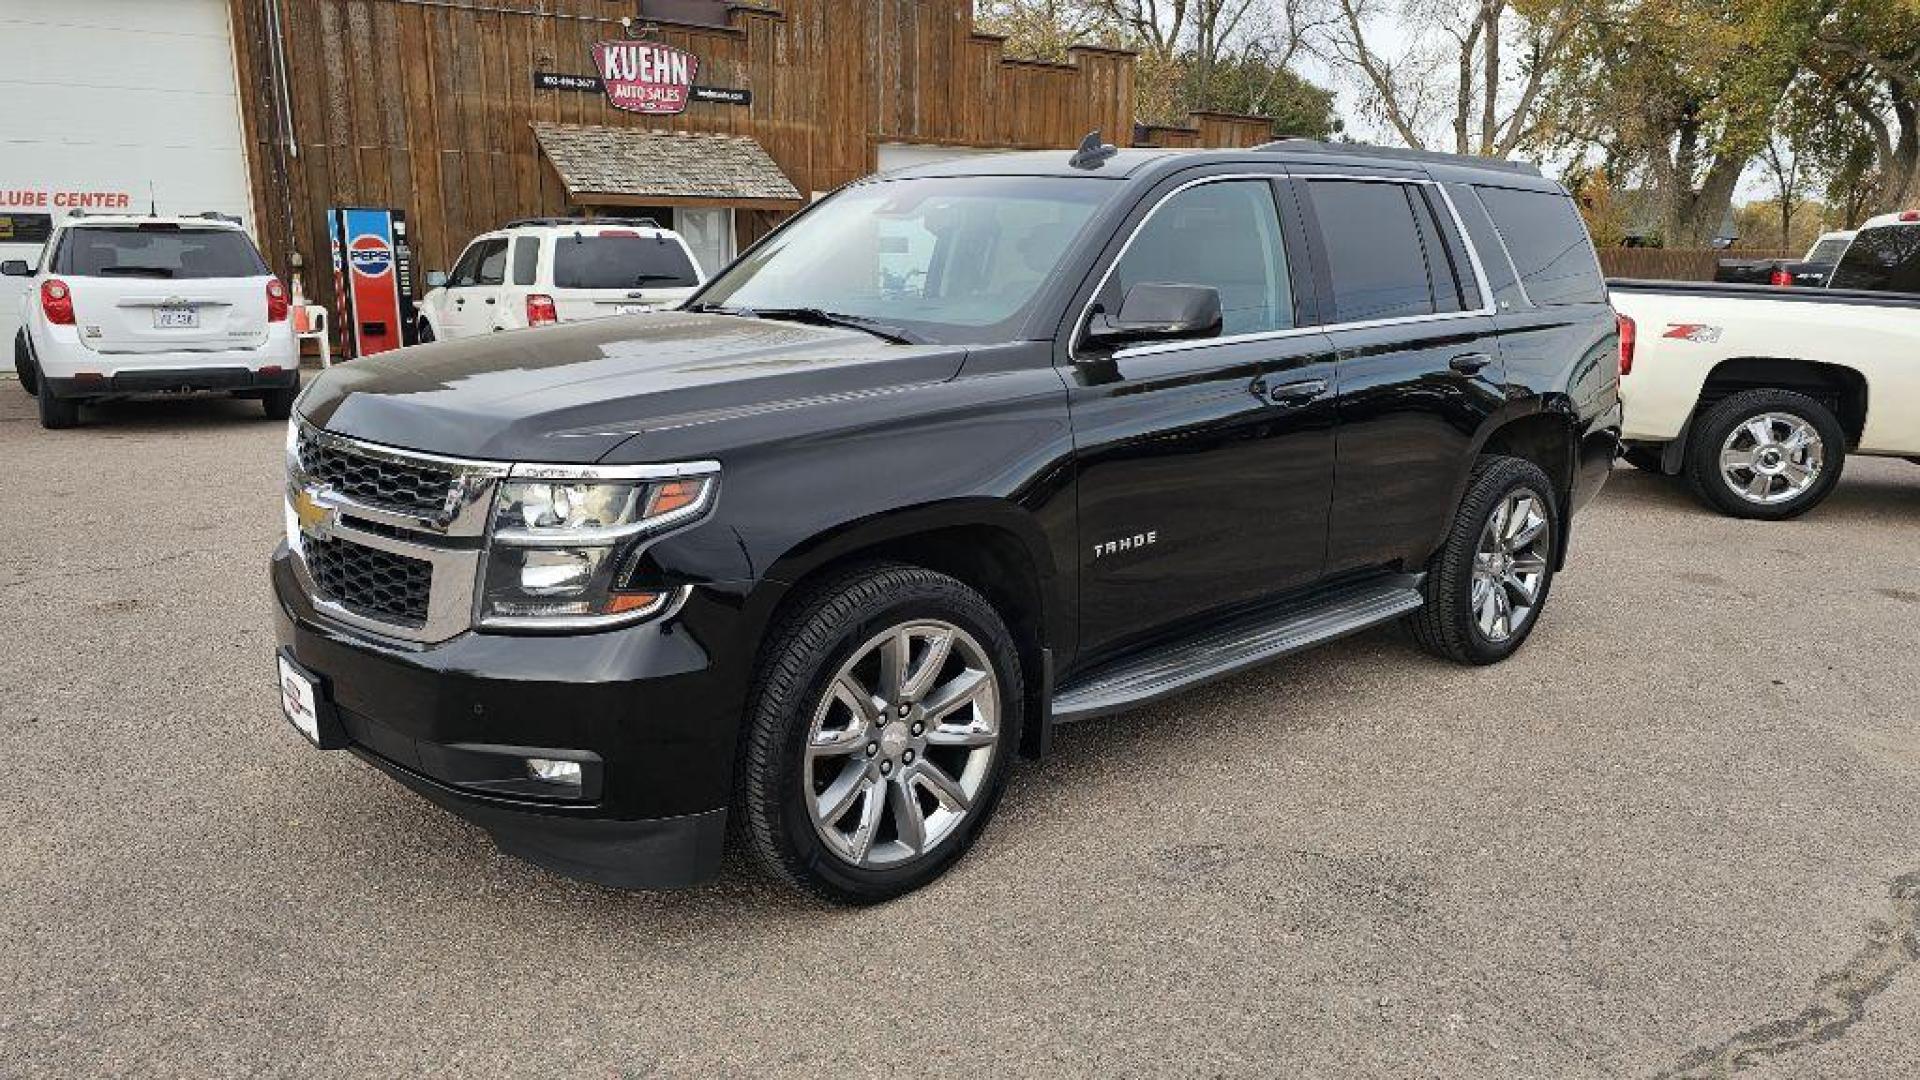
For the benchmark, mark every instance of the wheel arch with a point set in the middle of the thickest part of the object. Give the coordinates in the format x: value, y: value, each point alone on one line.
x: 993, y: 546
x: 1842, y: 389
x: 1543, y: 430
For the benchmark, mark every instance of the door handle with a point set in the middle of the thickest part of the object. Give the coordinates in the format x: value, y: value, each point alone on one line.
x: 1470, y: 363
x: 461, y: 300
x: 489, y: 299
x: 1297, y: 393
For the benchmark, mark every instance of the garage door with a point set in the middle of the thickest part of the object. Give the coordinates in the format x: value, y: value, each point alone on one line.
x: 110, y: 104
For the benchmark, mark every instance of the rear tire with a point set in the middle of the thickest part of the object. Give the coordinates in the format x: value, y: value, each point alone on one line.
x: 58, y: 412
x: 279, y: 403
x: 1766, y: 455
x: 23, y: 364
x: 875, y: 755
x: 1487, y: 584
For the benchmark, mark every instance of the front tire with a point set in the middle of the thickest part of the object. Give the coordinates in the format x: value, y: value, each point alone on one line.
x: 1486, y: 585
x: 23, y: 363
x: 880, y: 734
x: 1766, y: 454
x: 423, y: 334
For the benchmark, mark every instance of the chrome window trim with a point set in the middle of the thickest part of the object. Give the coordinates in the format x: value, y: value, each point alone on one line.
x: 1488, y: 306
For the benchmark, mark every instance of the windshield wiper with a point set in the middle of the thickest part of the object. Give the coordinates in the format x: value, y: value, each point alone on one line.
x: 136, y: 271
x: 817, y: 317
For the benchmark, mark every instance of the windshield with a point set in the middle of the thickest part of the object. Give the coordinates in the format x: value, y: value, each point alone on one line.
x: 953, y: 259
x: 158, y: 250
x: 615, y: 260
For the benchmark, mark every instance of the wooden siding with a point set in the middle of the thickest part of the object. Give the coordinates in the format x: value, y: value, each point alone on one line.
x: 427, y: 105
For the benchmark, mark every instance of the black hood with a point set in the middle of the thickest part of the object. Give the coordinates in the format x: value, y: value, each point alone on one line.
x: 570, y: 394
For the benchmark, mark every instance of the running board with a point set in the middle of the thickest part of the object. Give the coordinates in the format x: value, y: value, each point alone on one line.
x: 1236, y: 646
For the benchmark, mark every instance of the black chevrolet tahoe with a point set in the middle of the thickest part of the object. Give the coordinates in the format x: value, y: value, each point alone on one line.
x: 961, y: 453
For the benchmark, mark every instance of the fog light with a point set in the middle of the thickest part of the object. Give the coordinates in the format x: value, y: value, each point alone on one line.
x: 554, y: 772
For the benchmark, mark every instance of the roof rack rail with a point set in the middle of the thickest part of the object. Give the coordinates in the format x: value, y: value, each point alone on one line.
x: 1400, y: 154
x: 215, y: 215
x: 563, y: 222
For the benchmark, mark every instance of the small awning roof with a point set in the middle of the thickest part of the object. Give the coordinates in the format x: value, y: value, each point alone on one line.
x: 621, y: 166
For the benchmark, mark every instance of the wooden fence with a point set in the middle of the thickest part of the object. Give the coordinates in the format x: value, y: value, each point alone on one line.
x: 1677, y: 264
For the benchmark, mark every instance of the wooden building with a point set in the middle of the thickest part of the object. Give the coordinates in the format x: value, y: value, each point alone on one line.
x: 452, y: 110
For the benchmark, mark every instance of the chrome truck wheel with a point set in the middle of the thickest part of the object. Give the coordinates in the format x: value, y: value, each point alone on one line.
x: 1510, y: 565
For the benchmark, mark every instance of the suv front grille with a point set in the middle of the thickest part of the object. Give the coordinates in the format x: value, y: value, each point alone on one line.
x: 377, y: 482
x: 372, y: 584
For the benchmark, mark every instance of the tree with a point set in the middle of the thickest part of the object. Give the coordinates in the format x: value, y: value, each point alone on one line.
x: 1478, y: 65
x: 1224, y: 55
x: 1678, y: 95
x: 1866, y: 58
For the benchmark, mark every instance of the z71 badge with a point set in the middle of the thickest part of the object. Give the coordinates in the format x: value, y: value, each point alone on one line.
x: 1125, y: 543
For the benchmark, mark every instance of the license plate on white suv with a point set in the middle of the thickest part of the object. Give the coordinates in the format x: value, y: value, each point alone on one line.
x: 175, y: 318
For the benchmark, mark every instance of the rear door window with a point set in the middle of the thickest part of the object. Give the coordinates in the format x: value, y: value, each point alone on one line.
x: 1376, y: 251
x: 157, y: 250
x: 1886, y: 259
x: 621, y: 261
x: 1224, y: 235
x: 526, y: 259
x: 1549, y: 246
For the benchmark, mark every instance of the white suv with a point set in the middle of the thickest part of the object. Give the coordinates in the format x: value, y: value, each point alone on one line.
x: 542, y: 271
x: 122, y: 306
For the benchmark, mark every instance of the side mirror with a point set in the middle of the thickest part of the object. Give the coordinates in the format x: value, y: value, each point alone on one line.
x: 16, y: 268
x: 436, y: 279
x: 1152, y: 312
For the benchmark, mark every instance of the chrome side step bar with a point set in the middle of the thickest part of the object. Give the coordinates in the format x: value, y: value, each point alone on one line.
x: 1235, y: 646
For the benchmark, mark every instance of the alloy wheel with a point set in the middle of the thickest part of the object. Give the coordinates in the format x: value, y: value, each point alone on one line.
x: 1772, y: 458
x: 1510, y: 565
x: 902, y: 743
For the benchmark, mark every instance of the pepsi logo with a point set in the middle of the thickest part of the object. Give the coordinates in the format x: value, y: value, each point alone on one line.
x: 370, y: 256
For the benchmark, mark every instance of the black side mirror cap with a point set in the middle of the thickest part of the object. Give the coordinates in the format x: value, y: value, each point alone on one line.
x: 1156, y: 312
x: 16, y: 268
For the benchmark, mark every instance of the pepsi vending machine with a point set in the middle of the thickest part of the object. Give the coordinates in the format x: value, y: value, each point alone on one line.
x: 372, y: 278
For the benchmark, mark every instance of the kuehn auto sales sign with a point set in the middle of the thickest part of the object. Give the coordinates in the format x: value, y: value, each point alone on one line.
x: 646, y: 76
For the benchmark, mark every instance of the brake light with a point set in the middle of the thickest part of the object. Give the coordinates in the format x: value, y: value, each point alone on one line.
x: 1629, y: 337
x: 1780, y: 278
x: 1910, y: 215
x: 540, y: 310
x: 276, y: 300
x: 56, y: 301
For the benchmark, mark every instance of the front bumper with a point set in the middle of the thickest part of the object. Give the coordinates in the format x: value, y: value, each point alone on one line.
x: 653, y: 709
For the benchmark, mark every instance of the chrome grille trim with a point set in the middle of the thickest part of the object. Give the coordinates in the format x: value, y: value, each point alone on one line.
x: 450, y: 541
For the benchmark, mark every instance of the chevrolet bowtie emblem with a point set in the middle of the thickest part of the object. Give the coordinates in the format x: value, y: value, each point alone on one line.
x: 315, y: 520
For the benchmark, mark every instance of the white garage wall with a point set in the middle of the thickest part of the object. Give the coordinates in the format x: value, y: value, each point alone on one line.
x: 109, y: 96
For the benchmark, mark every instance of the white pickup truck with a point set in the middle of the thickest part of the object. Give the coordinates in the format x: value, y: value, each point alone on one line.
x: 1757, y: 394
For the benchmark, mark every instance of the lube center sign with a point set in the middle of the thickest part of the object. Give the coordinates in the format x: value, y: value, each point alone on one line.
x: 646, y: 76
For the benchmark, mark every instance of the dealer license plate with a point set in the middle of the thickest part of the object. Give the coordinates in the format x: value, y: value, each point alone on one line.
x: 299, y: 699
x: 176, y: 318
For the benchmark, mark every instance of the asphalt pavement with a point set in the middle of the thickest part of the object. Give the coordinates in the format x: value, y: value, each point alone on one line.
x: 1674, y: 835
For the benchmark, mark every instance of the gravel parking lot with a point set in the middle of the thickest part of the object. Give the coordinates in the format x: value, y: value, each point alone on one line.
x: 1675, y: 835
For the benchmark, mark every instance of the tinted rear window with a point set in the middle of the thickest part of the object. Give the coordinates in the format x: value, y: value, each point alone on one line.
x: 1827, y: 252
x: 620, y: 262
x: 1375, y: 251
x: 1549, y: 246
x: 1886, y: 259
x: 157, y: 251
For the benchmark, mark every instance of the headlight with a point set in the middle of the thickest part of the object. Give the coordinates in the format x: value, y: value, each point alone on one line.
x: 565, y: 543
